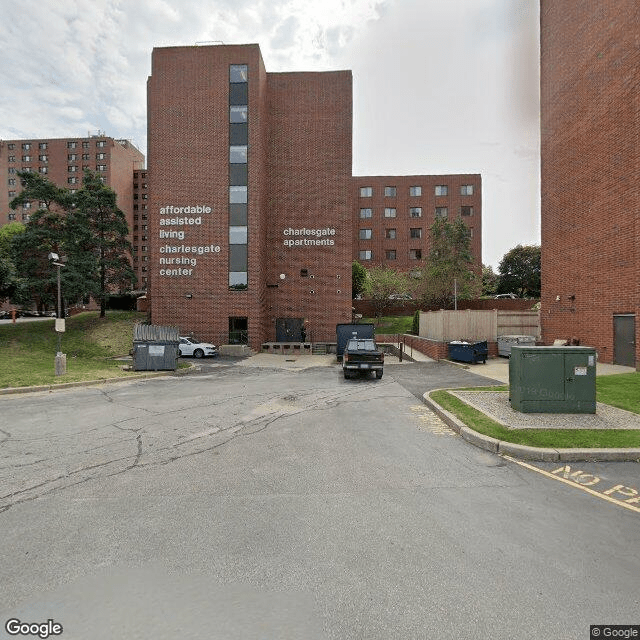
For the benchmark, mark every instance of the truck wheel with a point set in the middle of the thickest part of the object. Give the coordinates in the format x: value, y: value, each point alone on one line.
x: 378, y: 374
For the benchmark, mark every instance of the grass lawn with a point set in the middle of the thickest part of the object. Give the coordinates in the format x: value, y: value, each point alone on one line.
x: 622, y: 391
x: 28, y: 349
x: 391, y: 324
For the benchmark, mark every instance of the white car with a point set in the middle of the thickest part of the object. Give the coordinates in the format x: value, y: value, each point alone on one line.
x: 193, y: 347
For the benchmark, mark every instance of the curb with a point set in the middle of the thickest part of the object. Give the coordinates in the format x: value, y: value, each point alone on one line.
x: 92, y: 383
x: 525, y: 452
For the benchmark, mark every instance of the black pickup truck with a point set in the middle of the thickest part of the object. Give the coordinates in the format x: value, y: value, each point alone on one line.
x: 361, y: 355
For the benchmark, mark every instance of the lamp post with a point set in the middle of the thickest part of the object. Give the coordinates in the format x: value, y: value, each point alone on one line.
x: 61, y: 358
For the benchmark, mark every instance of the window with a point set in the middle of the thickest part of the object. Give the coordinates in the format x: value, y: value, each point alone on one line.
x: 390, y: 254
x: 72, y: 156
x: 85, y: 144
x: 415, y: 254
x: 100, y: 144
x: 442, y: 190
x: 72, y: 180
x: 25, y: 217
x: 72, y: 145
x: 365, y: 234
x: 42, y: 204
x: 12, y: 216
x: 238, y: 235
x: 442, y: 212
x: 11, y: 182
x: 12, y: 194
x: 415, y: 233
x: 11, y: 146
x: 101, y: 167
x: 42, y: 145
x: 238, y: 73
x: 238, y: 113
x: 390, y: 192
x: 26, y: 169
x: 366, y: 213
x: 466, y: 190
x: 415, y: 191
x: 11, y: 158
x: 238, y: 154
x: 466, y: 211
x: 415, y: 212
x: 100, y: 156
x: 11, y: 170
x: 26, y: 158
x: 366, y: 192
x: 389, y: 212
x: 72, y: 168
x: 26, y: 205
x: 238, y: 133
x: 237, y: 195
x: 43, y: 158
x: 390, y: 234
x: 43, y: 169
x: 365, y: 255
x: 26, y: 146
x: 85, y: 156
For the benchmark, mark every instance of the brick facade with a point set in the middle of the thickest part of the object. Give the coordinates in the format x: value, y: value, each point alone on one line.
x: 393, y: 222
x: 590, y: 101
x: 298, y: 208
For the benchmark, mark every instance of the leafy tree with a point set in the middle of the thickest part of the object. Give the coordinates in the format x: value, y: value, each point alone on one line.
x: 449, y: 266
x: 415, y: 325
x: 98, y: 228
x: 519, y: 271
x: 87, y: 227
x: 8, y: 274
x: 381, y: 283
x: 358, y: 278
x: 489, y: 280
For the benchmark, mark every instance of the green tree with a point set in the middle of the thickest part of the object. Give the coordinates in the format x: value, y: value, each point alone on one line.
x: 519, y: 271
x: 8, y: 273
x: 98, y: 228
x: 449, y: 266
x: 489, y: 280
x: 381, y: 283
x: 358, y: 278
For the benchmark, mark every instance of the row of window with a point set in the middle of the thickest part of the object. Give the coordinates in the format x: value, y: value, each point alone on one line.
x: 414, y: 212
x: 72, y: 144
x: 439, y: 190
x: 367, y: 234
x: 25, y: 217
x: 71, y: 157
x: 390, y: 254
x: 238, y: 176
x: 44, y: 170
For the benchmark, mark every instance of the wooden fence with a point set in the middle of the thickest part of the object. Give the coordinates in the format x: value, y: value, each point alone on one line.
x: 444, y: 326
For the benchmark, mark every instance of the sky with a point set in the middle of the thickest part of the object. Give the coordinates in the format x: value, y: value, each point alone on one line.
x: 439, y: 86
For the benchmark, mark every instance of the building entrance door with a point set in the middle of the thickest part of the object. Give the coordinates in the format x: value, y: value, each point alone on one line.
x: 290, y: 330
x: 238, y: 330
x: 624, y: 340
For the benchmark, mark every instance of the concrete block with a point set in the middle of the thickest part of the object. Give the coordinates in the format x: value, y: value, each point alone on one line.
x: 479, y: 440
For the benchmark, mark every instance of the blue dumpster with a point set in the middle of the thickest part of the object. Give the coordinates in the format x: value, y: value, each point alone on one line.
x: 473, y: 352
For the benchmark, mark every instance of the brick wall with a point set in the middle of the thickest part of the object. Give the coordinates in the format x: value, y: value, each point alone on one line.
x: 590, y: 225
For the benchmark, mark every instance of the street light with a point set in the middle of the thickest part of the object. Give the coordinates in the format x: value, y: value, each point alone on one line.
x: 61, y: 358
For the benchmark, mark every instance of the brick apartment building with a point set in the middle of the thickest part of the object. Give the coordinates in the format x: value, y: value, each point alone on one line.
x: 590, y: 120
x: 63, y: 161
x: 249, y: 196
x: 392, y: 216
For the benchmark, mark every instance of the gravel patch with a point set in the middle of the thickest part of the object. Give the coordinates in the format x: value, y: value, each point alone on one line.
x: 495, y: 405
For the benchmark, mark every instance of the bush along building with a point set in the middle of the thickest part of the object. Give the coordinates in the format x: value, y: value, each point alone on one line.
x: 590, y: 71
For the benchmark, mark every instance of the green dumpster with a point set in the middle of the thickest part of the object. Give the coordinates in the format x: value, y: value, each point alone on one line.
x: 552, y: 379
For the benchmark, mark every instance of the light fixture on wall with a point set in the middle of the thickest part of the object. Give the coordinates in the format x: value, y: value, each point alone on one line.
x: 189, y: 296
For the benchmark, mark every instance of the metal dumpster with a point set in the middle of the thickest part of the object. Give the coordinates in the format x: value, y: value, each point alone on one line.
x: 155, y: 348
x: 552, y: 379
x: 473, y: 352
x: 506, y: 342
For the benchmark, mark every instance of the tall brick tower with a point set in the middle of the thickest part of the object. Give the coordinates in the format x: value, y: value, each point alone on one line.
x: 250, y: 200
x: 590, y: 118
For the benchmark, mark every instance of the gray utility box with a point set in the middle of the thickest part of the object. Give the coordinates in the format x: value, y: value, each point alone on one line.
x: 155, y: 348
x: 552, y: 379
x: 506, y: 342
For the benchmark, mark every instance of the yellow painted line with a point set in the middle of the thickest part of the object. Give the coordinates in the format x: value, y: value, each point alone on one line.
x: 573, y: 484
